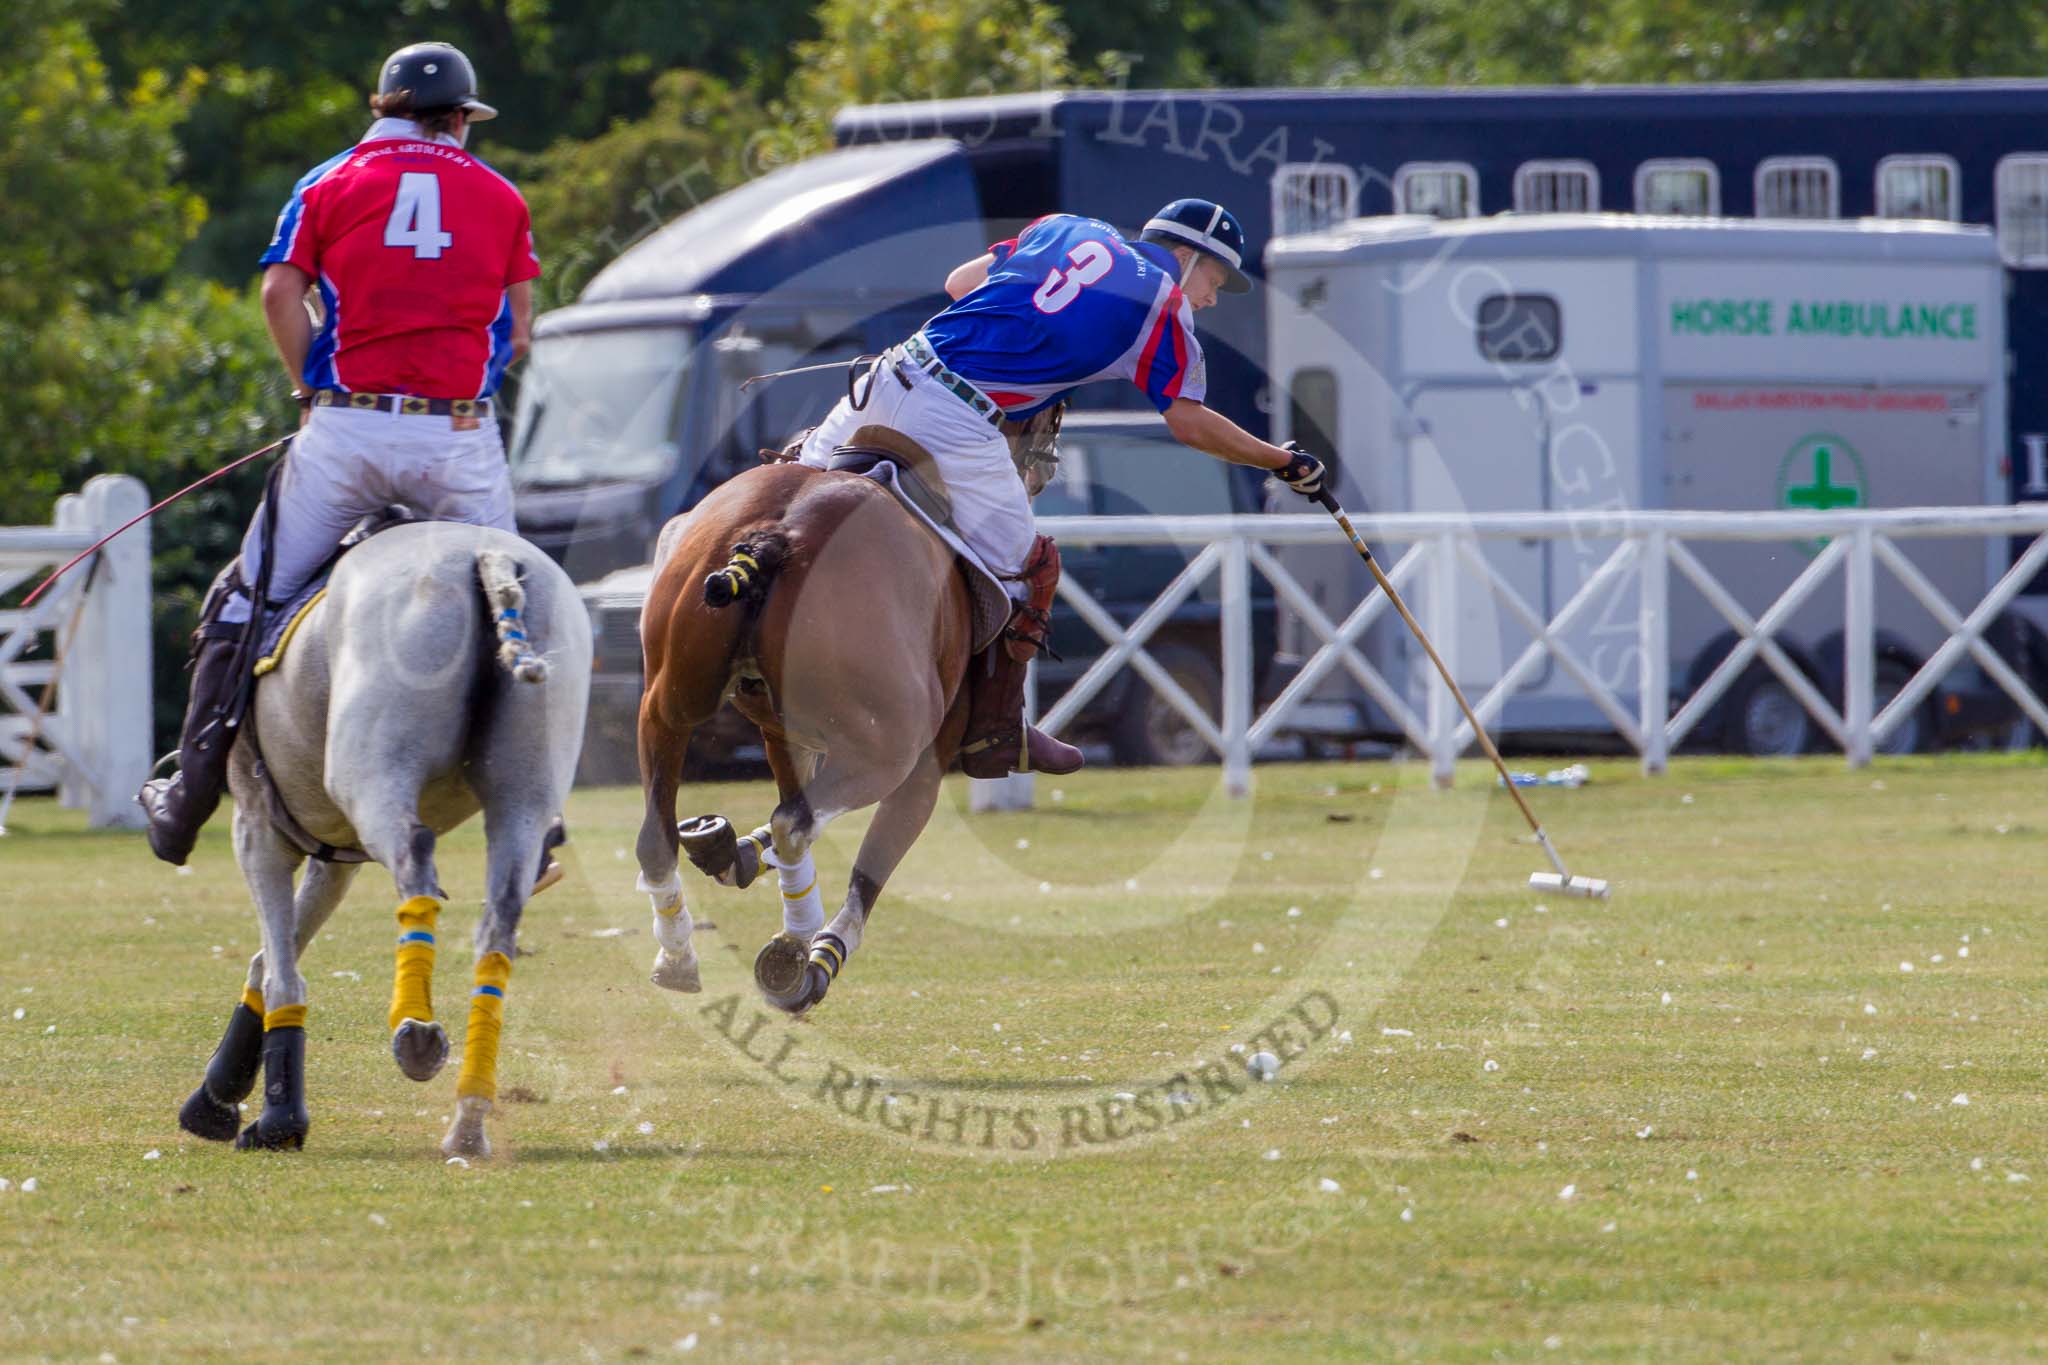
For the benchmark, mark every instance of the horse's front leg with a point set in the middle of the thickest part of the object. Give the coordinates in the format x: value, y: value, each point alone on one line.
x: 213, y: 1110
x: 268, y: 863
x: 899, y: 819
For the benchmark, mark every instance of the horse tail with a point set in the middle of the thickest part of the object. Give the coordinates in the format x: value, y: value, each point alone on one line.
x: 750, y: 569
x: 498, y: 573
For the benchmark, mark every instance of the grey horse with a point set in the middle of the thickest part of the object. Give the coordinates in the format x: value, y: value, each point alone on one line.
x: 445, y: 671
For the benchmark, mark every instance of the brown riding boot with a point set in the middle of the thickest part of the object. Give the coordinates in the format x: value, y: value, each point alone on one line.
x: 177, y: 806
x: 999, y: 741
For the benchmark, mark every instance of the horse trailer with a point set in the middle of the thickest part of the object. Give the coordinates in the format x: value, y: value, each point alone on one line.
x: 1587, y: 364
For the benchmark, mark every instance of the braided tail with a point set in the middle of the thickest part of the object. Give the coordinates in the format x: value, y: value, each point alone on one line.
x: 498, y: 573
x: 747, y: 574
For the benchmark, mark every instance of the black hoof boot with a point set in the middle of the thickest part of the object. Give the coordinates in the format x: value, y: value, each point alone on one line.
x: 212, y: 1111
x: 708, y: 842
x: 420, y: 1049
x: 780, y: 968
x: 826, y: 957
x: 284, y: 1120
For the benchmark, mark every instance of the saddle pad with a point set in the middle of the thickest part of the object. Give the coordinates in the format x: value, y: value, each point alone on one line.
x: 988, y: 604
x: 280, y: 626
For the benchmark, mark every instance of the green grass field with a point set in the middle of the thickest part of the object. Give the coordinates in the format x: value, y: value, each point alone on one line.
x: 1715, y: 1117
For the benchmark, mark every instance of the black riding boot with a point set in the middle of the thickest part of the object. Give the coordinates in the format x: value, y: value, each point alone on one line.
x: 178, y: 805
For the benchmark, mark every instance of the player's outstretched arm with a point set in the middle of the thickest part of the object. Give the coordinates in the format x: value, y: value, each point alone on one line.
x: 969, y: 275
x: 1211, y: 432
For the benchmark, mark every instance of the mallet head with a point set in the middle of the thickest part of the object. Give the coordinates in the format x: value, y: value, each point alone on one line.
x: 1586, y: 888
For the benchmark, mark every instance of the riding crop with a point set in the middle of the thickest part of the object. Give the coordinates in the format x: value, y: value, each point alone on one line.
x: 1561, y: 881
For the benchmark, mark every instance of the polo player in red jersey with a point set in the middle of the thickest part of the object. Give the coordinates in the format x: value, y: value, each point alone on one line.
x: 423, y: 260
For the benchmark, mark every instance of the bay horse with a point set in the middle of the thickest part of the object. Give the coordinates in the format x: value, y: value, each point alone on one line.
x: 444, y: 672
x: 842, y: 628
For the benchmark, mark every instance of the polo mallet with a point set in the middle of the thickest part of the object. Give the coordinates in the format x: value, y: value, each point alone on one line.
x: 1560, y: 882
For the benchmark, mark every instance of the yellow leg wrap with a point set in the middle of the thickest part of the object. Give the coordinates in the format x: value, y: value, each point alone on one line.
x: 486, y: 1019
x: 412, y: 988
x: 285, y: 1016
x: 253, y: 998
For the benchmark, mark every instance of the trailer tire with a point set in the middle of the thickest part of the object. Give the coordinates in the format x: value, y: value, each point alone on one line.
x: 1764, y: 719
x: 1914, y: 734
x: 1149, y: 732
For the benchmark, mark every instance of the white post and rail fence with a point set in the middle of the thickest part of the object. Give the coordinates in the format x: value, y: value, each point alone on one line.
x: 1437, y: 561
x: 75, y: 705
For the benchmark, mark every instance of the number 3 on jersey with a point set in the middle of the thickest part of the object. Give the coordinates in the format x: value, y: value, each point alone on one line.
x: 416, y: 217
x: 1091, y: 261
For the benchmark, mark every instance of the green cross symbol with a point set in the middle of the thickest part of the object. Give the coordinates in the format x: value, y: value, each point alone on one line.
x: 1823, y: 494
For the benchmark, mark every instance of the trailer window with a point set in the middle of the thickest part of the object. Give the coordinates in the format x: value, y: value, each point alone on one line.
x: 1439, y: 189
x: 2022, y: 207
x: 1919, y: 187
x: 1518, y: 328
x: 1685, y: 187
x: 1308, y: 197
x: 1557, y: 187
x: 1798, y: 187
x: 1312, y: 412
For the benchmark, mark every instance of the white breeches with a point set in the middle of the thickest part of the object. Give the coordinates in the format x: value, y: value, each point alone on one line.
x: 990, y: 507
x: 347, y: 463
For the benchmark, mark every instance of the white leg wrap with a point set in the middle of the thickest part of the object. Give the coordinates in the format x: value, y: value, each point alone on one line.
x: 667, y: 896
x: 672, y: 930
x: 845, y: 927
x: 803, y: 909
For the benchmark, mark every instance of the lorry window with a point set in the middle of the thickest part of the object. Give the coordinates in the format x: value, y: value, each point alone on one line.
x: 1439, y: 189
x: 1557, y: 187
x: 1919, y: 187
x: 1132, y: 476
x: 2022, y: 195
x: 1798, y: 187
x: 1679, y: 186
x: 600, y: 406
x: 1310, y: 196
x: 1312, y: 413
x: 1515, y: 329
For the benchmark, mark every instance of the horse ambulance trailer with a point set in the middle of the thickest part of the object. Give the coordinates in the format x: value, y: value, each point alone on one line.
x: 1588, y: 363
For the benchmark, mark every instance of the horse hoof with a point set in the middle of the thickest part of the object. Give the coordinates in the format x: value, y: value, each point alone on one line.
x: 710, y: 845
x: 420, y: 1049
x: 274, y: 1133
x: 204, y: 1116
x: 674, y: 973
x: 779, y: 967
x: 809, y: 991
x: 549, y: 875
x: 466, y: 1137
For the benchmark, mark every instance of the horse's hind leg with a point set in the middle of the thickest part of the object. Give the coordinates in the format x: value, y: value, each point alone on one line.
x: 662, y: 750
x: 513, y: 837
x: 899, y: 819
x: 212, y: 1111
x: 267, y: 864
x: 391, y: 833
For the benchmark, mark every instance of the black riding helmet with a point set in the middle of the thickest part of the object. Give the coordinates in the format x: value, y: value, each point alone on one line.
x: 1209, y: 228
x: 437, y: 76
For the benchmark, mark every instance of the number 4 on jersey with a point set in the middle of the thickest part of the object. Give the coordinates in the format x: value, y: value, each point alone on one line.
x: 416, y: 217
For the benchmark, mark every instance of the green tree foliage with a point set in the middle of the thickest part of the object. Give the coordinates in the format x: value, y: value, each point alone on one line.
x: 878, y: 51
x: 593, y: 199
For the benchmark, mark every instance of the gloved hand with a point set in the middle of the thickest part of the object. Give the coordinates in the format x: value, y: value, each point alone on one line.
x: 1303, y: 473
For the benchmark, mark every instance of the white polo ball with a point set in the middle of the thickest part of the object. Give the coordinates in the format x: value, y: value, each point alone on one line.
x: 1263, y: 1066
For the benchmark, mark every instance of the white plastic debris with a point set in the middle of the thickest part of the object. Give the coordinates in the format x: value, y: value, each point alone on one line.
x: 1329, y: 1186
x: 152, y: 1155
x: 1568, y: 1191
x: 1272, y: 1154
x: 645, y: 1128
x: 2011, y: 1178
x: 618, y: 1090
x: 1397, y: 1033
x: 1692, y: 1175
x: 687, y: 1343
x: 1491, y: 1065
x: 1905, y: 966
x: 612, y: 932
x: 1258, y: 948
x: 1263, y: 1066
x: 1869, y: 1008
x: 1960, y: 1101
x: 378, y: 1219
x: 1976, y: 1163
x: 1665, y: 999
x: 1408, y: 1214
x: 1645, y: 1131
x: 460, y: 1163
